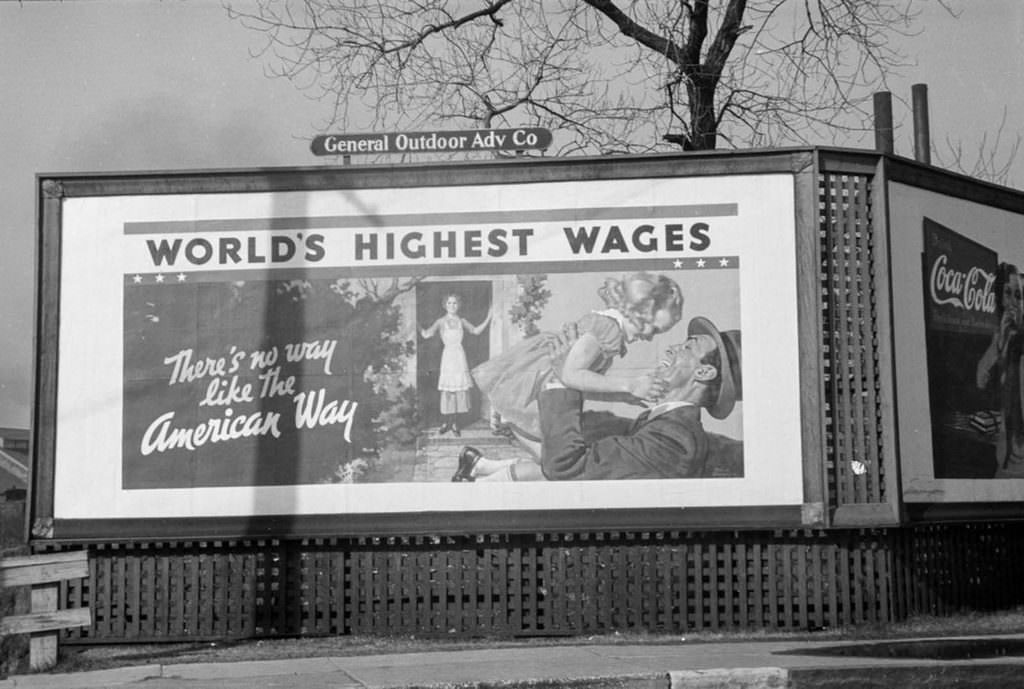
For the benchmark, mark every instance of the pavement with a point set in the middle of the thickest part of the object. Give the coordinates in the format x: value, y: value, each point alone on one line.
x: 730, y: 665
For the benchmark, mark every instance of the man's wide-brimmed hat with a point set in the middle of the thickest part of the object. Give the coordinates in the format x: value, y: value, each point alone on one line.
x: 731, y: 389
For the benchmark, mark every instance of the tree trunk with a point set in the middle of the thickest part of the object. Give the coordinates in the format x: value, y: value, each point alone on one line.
x: 703, y: 122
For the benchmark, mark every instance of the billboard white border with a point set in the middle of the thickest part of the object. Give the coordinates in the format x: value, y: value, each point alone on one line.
x: 770, y: 348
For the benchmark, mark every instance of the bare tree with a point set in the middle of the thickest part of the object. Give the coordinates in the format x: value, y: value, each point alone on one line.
x: 604, y: 75
x: 991, y: 159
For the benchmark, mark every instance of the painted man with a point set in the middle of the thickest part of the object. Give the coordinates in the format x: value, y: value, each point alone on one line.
x: 667, y: 440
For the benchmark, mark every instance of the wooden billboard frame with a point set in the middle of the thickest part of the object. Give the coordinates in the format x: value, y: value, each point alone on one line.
x: 53, y: 189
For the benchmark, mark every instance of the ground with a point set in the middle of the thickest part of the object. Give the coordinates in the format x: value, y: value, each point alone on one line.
x: 98, y: 657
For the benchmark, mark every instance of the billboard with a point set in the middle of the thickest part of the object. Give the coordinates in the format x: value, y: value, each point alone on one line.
x: 961, y: 432
x: 967, y: 418
x: 570, y: 345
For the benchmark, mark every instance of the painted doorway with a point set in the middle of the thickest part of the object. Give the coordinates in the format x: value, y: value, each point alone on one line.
x: 476, y: 302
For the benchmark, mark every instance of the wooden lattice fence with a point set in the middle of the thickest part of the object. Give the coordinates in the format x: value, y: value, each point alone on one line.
x: 537, y: 585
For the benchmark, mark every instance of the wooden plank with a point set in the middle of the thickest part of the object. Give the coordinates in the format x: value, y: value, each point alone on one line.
x: 74, y: 592
x: 884, y: 559
x: 293, y: 566
x: 227, y: 584
x: 810, y: 330
x: 234, y: 613
x: 446, y: 523
x: 832, y: 581
x: 743, y: 581
x: 162, y: 585
x: 556, y: 598
x: 176, y: 617
x: 356, y: 592
x: 713, y: 554
x: 698, y: 586
x: 532, y: 605
x: 888, y: 469
x: 133, y: 597
x: 818, y: 581
x: 44, y: 568
x: 857, y: 580
x: 46, y: 621
x: 118, y: 591
x: 340, y: 594
x: 47, y: 344
x: 859, y: 291
x: 505, y: 557
x: 672, y: 581
x: 415, y: 577
x: 655, y: 566
x: 194, y: 599
x: 462, y: 572
x: 870, y: 514
x: 474, y: 605
x: 43, y: 646
x: 773, y: 618
x: 943, y: 182
x: 487, y: 618
x: 871, y: 583
x: 757, y: 578
x: 870, y: 267
x: 102, y: 601
x: 695, y: 163
x: 440, y: 584
x: 591, y: 613
x: 786, y: 553
x: 634, y: 584
x: 321, y: 612
x: 803, y: 596
x: 845, y: 409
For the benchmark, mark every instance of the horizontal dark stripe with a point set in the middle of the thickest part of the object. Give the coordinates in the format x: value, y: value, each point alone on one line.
x: 506, y: 218
x: 428, y: 268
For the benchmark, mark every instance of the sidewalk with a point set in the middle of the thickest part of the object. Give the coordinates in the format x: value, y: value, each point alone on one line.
x: 736, y: 665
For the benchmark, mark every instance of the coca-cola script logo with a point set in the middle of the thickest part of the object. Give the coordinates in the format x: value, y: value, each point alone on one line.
x: 971, y: 291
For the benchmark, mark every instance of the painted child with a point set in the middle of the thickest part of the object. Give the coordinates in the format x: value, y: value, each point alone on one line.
x: 637, y: 307
x: 454, y: 379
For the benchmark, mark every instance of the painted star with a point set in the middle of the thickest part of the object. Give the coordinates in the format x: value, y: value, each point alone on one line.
x: 700, y: 262
x: 136, y: 278
x: 723, y: 262
x: 677, y: 264
x: 181, y: 277
x: 159, y: 277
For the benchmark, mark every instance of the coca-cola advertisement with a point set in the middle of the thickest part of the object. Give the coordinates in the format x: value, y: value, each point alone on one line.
x: 972, y: 315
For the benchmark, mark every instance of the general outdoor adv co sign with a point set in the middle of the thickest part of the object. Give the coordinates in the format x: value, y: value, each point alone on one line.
x: 521, y: 139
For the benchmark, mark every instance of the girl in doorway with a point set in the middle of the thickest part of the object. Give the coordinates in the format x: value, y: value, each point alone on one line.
x: 454, y: 380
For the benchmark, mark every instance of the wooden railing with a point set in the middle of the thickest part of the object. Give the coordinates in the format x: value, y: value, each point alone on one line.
x: 44, y: 574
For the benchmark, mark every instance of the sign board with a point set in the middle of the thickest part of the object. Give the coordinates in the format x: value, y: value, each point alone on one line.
x: 521, y: 139
x: 960, y: 317
x: 327, y: 353
x: 961, y: 433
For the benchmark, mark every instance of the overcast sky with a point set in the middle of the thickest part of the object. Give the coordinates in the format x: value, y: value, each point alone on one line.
x: 104, y: 85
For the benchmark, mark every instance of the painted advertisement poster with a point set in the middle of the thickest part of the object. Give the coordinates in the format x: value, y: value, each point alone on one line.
x: 285, y: 382
x: 968, y: 338
x: 424, y: 349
